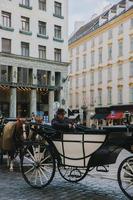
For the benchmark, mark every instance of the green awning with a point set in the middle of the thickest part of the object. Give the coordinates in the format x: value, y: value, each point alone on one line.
x: 99, y: 116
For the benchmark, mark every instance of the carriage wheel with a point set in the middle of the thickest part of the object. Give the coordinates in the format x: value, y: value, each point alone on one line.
x: 38, y: 165
x: 125, y: 177
x: 72, y: 174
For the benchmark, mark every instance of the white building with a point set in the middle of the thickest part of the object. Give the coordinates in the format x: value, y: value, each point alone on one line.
x: 101, y: 56
x: 33, y: 55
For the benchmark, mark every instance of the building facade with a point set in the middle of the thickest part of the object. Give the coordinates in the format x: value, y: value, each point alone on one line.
x: 33, y: 56
x: 101, y: 57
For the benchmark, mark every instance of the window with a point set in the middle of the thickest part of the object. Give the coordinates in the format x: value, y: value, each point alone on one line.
x: 109, y: 100
x: 84, y: 80
x: 58, y: 8
x: 4, y: 73
x: 110, y: 52
x: 57, y: 31
x: 77, y: 64
x: 120, y: 29
x: 84, y: 61
x: 100, y: 76
x: 131, y: 69
x: 120, y: 48
x: 92, y: 43
x: 42, y: 52
x: 42, y: 5
x: 131, y: 94
x: 24, y: 49
x: 100, y: 55
x: 77, y: 50
x: 110, y: 34
x: 99, y: 97
x: 6, y: 45
x: 92, y: 58
x: 131, y: 23
x: 120, y: 71
x: 26, y: 3
x: 131, y: 43
x: 100, y: 39
x: 6, y: 19
x: 92, y: 78
x: 110, y: 74
x: 57, y: 55
x: 84, y: 98
x: 23, y: 75
x: 84, y: 46
x: 25, y: 23
x: 120, y: 95
x: 92, y: 97
x: 42, y: 28
x: 42, y: 77
x: 77, y: 82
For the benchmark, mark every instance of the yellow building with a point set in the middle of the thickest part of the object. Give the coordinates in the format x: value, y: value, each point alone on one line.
x: 101, y: 70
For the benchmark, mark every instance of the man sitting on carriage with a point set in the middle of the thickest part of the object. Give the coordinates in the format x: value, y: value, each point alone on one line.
x: 61, y: 122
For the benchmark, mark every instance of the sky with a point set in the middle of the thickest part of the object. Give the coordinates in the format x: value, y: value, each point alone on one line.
x: 82, y: 10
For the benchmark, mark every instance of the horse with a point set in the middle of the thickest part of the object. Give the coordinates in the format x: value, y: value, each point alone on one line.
x: 11, y: 139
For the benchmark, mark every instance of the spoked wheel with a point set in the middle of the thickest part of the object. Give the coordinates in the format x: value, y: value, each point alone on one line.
x: 72, y: 174
x: 38, y: 165
x: 125, y: 177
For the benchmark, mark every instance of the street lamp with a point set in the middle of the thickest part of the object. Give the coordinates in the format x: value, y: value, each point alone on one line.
x: 84, y: 108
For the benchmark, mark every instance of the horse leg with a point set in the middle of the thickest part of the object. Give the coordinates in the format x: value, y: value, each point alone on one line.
x: 1, y: 156
x: 8, y: 160
x: 11, y: 158
x: 11, y: 165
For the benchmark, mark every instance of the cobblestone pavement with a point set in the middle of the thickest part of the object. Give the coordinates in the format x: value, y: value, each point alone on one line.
x: 94, y: 187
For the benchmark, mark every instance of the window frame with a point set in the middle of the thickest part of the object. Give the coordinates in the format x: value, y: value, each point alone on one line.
x: 25, y: 49
x: 8, y: 50
x: 6, y: 19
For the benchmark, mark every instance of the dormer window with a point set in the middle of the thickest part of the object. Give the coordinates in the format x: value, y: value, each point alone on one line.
x: 120, y: 8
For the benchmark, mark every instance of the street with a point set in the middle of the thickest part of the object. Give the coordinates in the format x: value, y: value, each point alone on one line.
x: 94, y: 187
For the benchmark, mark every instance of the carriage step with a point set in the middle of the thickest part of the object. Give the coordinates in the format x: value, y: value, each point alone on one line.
x: 102, y: 169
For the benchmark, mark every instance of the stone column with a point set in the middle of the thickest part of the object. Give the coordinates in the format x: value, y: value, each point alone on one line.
x: 51, y: 101
x: 33, y: 101
x: 13, y: 101
x: 51, y: 96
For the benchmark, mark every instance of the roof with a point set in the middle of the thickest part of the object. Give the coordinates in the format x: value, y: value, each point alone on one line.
x: 94, y: 24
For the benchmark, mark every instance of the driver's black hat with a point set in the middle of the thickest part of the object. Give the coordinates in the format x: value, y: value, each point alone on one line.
x: 61, y: 111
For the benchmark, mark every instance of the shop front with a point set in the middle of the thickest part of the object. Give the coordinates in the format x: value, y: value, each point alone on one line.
x: 113, y: 115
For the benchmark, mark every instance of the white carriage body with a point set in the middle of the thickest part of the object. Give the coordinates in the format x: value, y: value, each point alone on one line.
x: 78, y: 148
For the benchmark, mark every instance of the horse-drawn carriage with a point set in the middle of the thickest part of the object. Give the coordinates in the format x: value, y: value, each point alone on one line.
x: 75, y: 153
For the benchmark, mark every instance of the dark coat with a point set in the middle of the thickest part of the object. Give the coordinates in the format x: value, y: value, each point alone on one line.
x: 61, y: 124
